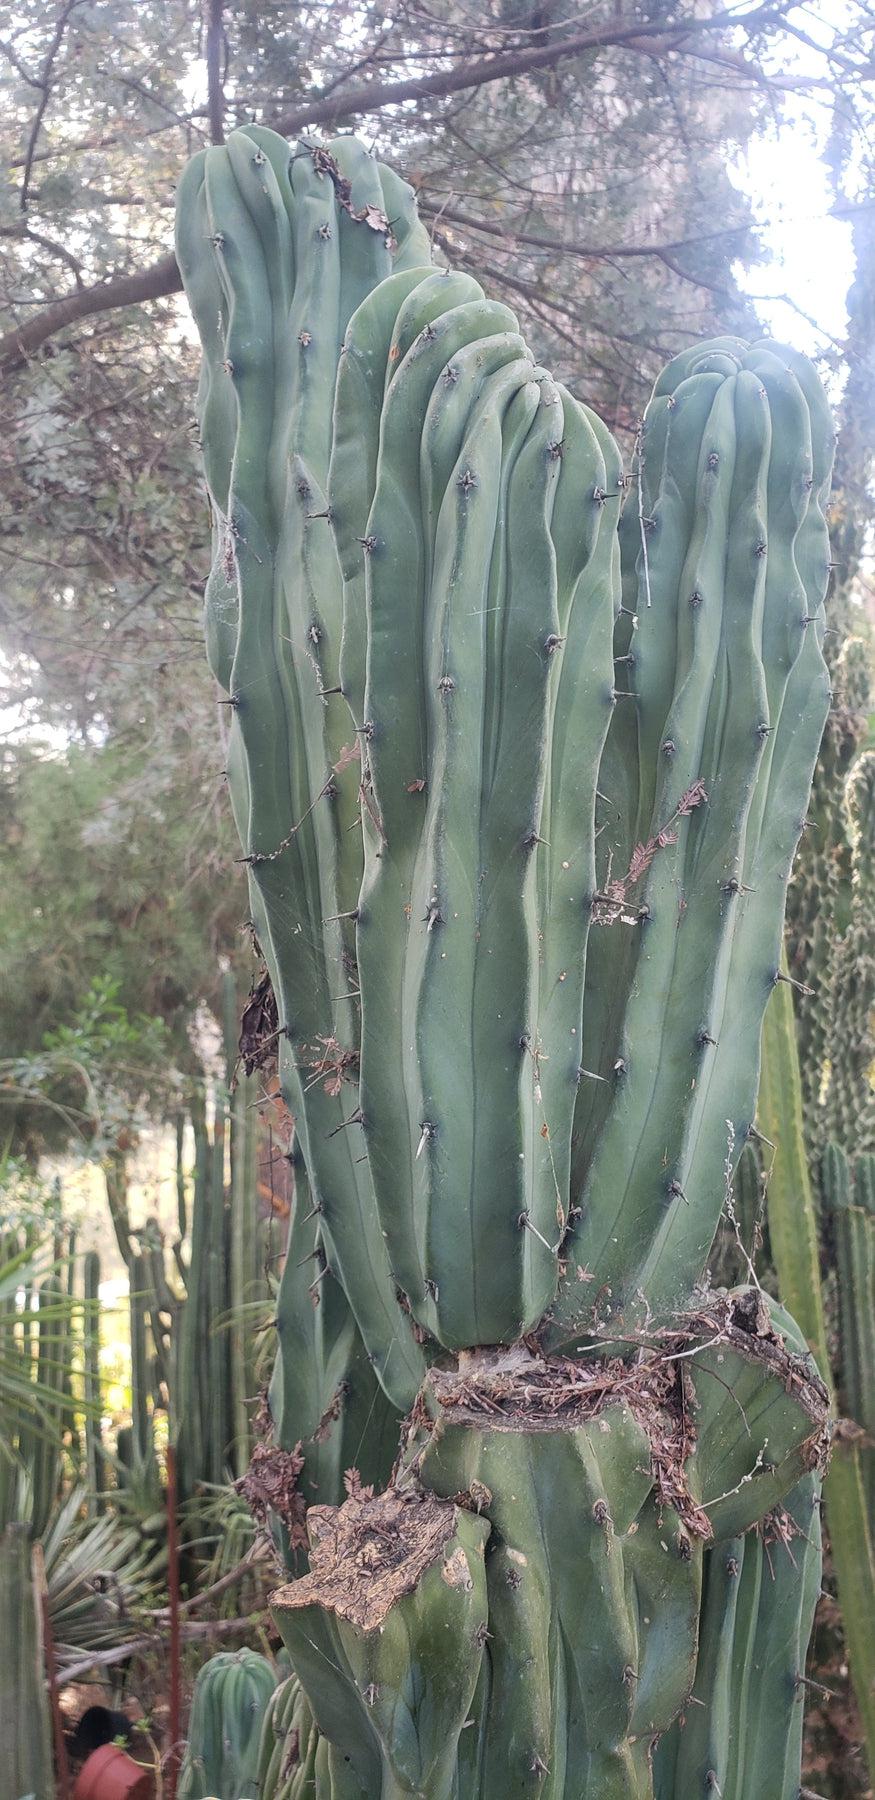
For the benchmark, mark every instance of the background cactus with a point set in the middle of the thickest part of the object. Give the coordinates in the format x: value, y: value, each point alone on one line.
x: 289, y: 1741
x: 794, y: 1239
x: 848, y: 1107
x: 25, y: 1732
x: 849, y: 1196
x: 230, y: 1698
x: 817, y: 902
x: 519, y: 1038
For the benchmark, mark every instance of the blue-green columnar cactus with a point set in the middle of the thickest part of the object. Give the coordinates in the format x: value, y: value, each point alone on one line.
x: 231, y: 1695
x: 760, y: 1591
x: 706, y: 776
x: 518, y: 795
x: 277, y: 249
x: 849, y: 1196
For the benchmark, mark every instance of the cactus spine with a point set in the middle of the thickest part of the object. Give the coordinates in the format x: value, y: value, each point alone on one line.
x: 519, y: 1040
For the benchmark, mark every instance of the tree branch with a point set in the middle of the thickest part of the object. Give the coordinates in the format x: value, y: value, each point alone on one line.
x: 123, y: 290
x: 653, y: 40
x: 369, y: 97
x: 588, y: 252
x: 44, y: 83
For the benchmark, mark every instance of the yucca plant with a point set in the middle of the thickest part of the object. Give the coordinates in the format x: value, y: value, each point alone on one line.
x: 519, y: 799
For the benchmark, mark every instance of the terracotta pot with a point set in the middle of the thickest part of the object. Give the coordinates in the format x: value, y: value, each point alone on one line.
x: 110, y: 1774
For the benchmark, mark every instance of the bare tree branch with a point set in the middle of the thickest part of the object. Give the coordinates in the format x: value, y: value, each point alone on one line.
x: 688, y: 38
x: 123, y: 290
x: 588, y: 252
x: 44, y: 83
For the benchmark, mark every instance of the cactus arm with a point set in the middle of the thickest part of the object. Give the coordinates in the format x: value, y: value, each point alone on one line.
x: 416, y: 847
x: 794, y: 693
x: 394, y: 1702
x: 398, y: 566
x: 851, y: 1208
x: 324, y: 1398
x: 741, y: 1735
x: 790, y: 1202
x: 292, y: 809
x: 644, y: 1131
x: 695, y: 1105
x: 587, y: 553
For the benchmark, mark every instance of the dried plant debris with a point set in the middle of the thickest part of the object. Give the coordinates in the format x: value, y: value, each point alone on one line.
x: 369, y: 1552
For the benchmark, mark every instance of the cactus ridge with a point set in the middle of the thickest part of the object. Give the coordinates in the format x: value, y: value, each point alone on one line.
x: 731, y: 695
x: 281, y: 289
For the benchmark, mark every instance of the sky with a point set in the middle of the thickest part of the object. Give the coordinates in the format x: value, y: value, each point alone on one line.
x: 813, y: 258
x: 787, y: 182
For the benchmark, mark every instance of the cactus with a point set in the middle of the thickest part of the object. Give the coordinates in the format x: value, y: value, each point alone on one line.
x: 41, y: 1427
x: 519, y: 1036
x: 849, y: 1196
x: 848, y: 1109
x: 707, y: 779
x: 817, y: 898
x: 741, y: 1731
x: 278, y: 250
x: 594, y: 1511
x: 231, y: 1694
x: 25, y: 1735
x: 95, y: 1460
x: 394, y: 1703
x: 794, y: 1241
x: 288, y: 1745
x: 484, y: 723
x: 327, y: 1407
